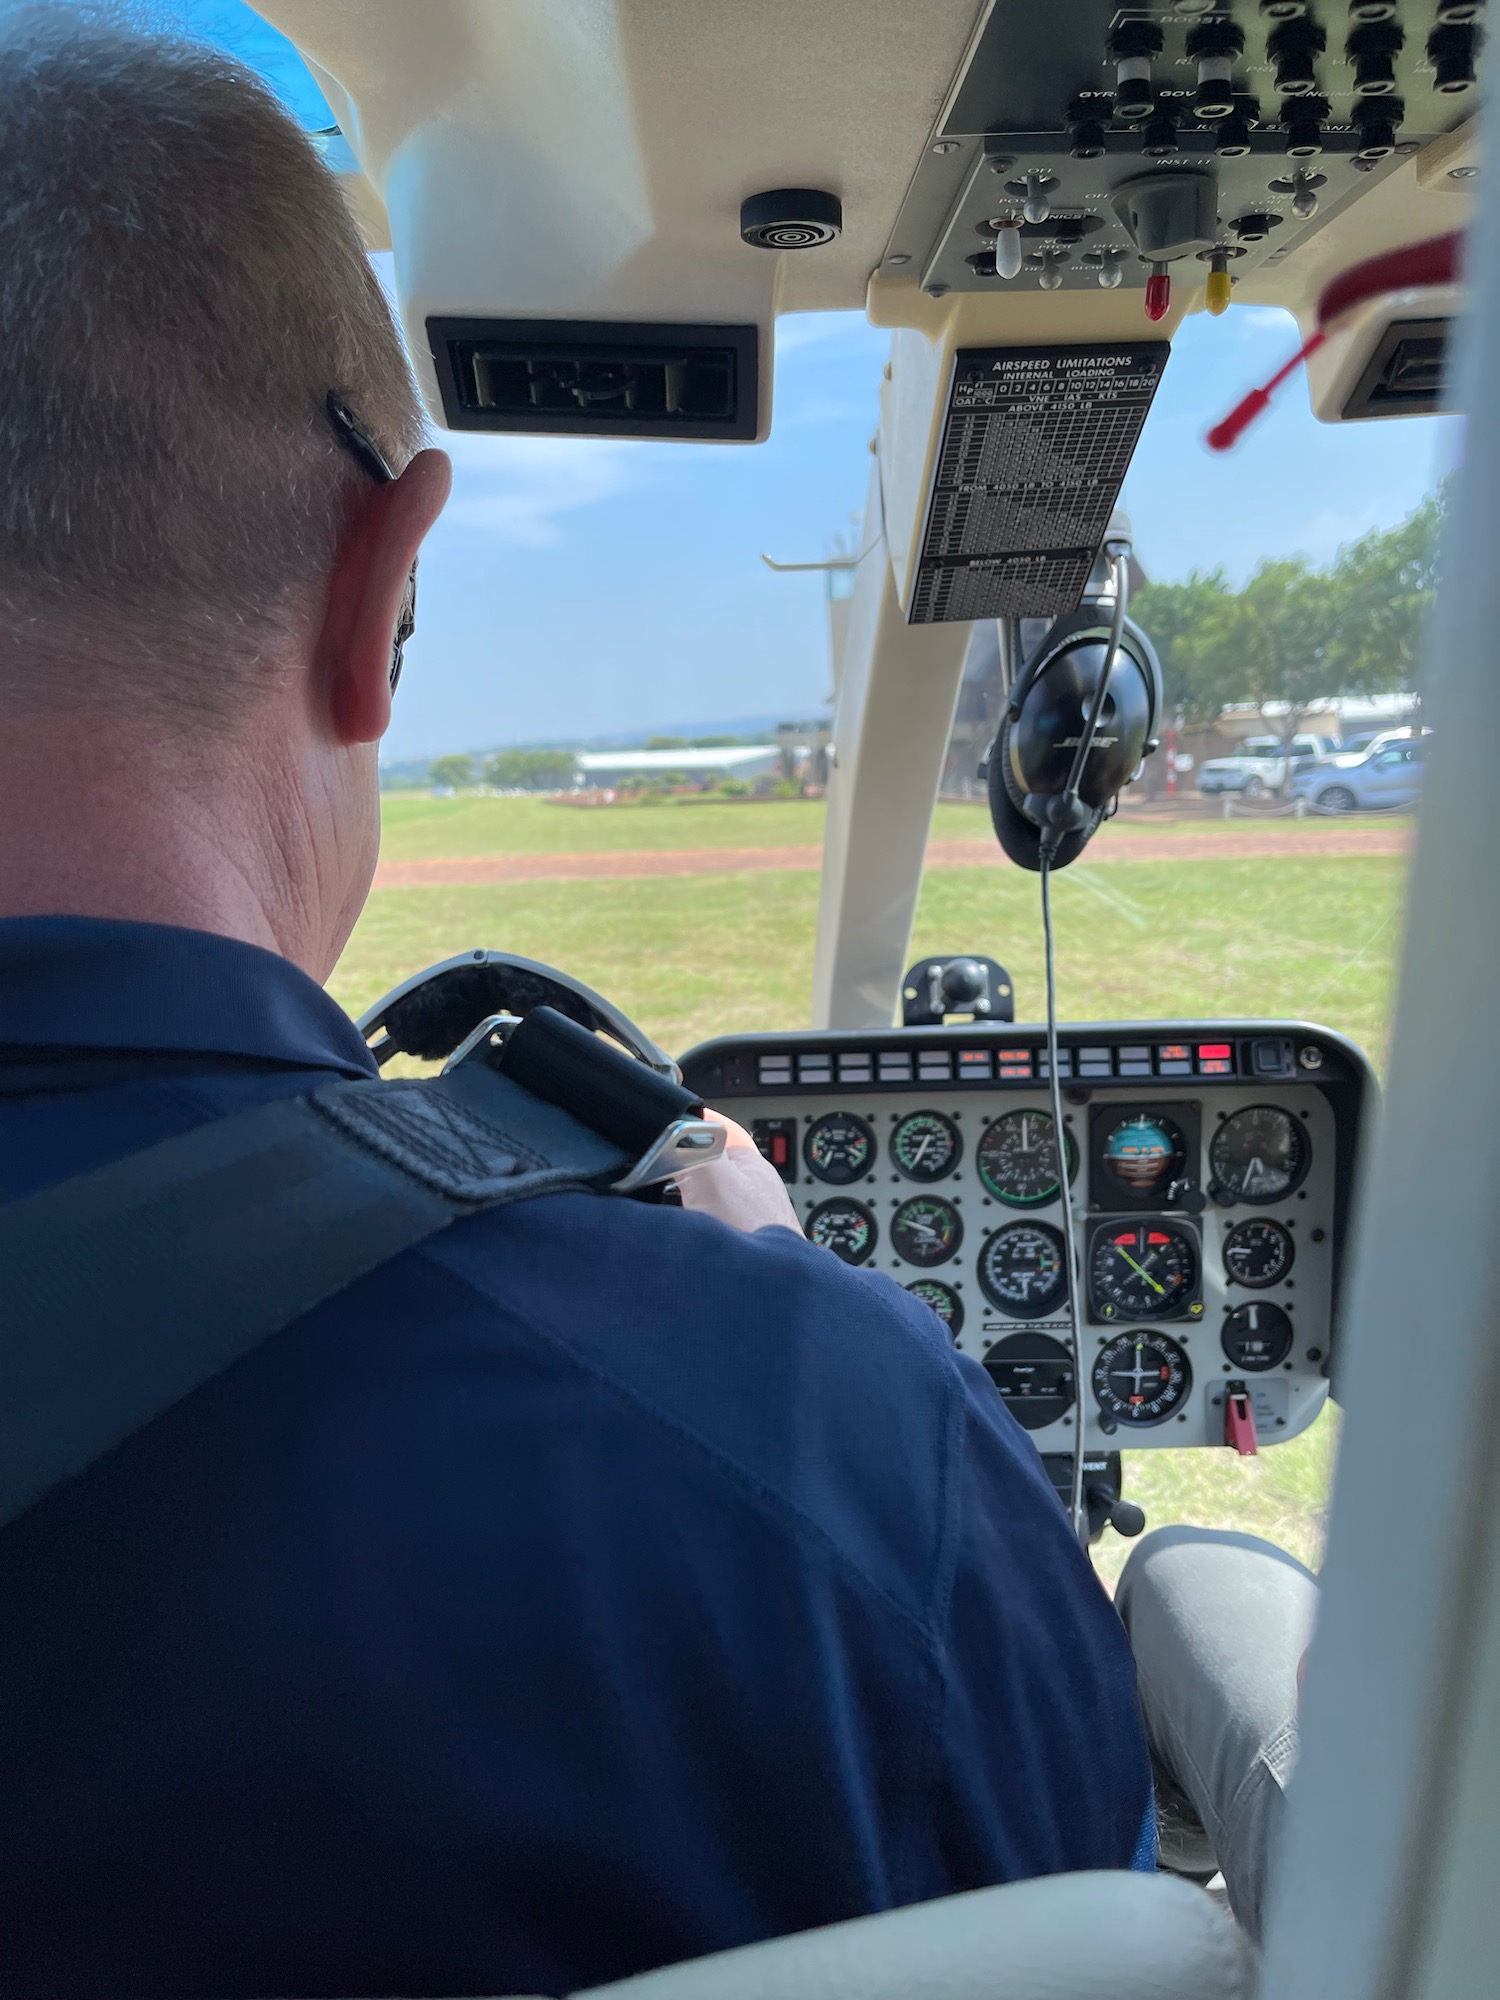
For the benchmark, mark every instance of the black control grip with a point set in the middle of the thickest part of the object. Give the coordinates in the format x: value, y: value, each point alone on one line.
x: 613, y: 1094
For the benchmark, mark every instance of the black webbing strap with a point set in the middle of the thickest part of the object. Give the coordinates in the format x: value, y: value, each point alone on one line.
x: 124, y: 1289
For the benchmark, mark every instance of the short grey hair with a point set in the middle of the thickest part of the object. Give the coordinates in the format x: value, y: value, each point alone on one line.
x: 181, y: 286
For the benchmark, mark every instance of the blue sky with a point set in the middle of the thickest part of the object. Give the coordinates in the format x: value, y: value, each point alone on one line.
x: 579, y: 588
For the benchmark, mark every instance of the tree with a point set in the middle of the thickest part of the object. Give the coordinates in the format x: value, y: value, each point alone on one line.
x: 1295, y: 635
x: 1184, y: 621
x: 1387, y: 582
x: 530, y: 770
x: 455, y: 771
x: 666, y: 743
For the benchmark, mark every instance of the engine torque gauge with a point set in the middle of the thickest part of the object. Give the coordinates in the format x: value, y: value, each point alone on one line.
x: 1143, y: 1268
x: 943, y: 1300
x: 1258, y: 1155
x: 926, y: 1146
x: 839, y: 1148
x: 1023, y: 1270
x: 1141, y: 1378
x: 1258, y: 1252
x: 843, y: 1226
x: 926, y: 1230
x: 1256, y: 1336
x: 1017, y: 1159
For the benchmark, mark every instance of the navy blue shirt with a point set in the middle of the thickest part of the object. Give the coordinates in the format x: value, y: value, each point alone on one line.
x: 588, y: 1589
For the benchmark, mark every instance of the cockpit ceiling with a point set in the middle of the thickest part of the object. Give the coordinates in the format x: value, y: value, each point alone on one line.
x: 586, y: 162
x: 721, y: 100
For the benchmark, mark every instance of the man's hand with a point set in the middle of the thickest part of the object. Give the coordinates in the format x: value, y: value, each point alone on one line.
x: 740, y: 1188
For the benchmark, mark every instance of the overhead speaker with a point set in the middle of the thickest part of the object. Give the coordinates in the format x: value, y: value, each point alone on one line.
x: 791, y: 219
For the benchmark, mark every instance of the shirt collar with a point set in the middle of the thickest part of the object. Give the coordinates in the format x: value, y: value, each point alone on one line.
x: 91, y: 983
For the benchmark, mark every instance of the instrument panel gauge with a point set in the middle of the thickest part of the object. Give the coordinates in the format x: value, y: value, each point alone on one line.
x: 1145, y: 1268
x: 926, y: 1146
x: 1142, y: 1155
x: 1256, y: 1336
x: 1017, y: 1159
x: 845, y: 1227
x: 926, y: 1230
x: 1260, y: 1154
x: 1023, y: 1270
x: 839, y: 1148
x: 1141, y: 1378
x: 1258, y: 1252
x: 1034, y: 1375
x: 943, y: 1300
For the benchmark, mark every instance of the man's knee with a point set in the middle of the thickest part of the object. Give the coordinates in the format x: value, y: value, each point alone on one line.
x: 1195, y: 1578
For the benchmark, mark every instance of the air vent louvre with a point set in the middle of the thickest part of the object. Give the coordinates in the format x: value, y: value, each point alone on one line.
x: 597, y: 378
x: 1405, y: 375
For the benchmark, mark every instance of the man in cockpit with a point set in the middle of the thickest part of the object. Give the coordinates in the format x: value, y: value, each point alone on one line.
x: 595, y: 1586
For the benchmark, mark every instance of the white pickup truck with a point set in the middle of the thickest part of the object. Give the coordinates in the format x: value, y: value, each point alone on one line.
x: 1259, y: 766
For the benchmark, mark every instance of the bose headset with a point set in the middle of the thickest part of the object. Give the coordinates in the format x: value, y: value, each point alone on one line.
x: 1061, y: 753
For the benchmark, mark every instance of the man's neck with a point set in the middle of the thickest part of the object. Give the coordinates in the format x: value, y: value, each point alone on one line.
x: 112, y: 823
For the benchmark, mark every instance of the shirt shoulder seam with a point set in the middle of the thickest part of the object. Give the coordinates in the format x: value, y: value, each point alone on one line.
x: 765, y: 1496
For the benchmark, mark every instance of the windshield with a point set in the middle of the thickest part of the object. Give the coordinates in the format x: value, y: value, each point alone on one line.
x: 611, y: 740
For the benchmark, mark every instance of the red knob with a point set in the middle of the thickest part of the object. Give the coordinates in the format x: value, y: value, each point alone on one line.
x: 1158, y: 294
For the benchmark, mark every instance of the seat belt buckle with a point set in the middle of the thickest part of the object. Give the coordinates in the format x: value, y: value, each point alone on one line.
x: 1239, y: 1420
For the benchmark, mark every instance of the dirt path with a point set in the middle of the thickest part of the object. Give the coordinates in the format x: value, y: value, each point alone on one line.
x: 1243, y: 843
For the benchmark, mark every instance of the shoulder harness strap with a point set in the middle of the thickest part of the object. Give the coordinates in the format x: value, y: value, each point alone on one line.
x: 124, y: 1289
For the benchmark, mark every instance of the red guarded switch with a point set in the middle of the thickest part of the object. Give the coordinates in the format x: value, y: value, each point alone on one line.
x: 1239, y: 1420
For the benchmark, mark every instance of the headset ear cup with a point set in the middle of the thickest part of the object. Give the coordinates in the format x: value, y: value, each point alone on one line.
x: 1017, y: 832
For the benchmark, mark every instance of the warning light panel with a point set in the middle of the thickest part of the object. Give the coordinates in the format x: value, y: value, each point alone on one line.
x: 1216, y: 1059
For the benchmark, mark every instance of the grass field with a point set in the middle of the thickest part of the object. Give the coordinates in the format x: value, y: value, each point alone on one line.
x: 1312, y: 936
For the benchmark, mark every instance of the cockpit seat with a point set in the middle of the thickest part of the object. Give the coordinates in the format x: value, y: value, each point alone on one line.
x: 1105, y: 1935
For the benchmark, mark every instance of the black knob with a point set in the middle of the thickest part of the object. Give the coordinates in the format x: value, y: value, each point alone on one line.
x: 1373, y: 49
x: 1232, y: 140
x: 1160, y: 135
x: 1302, y: 121
x: 1188, y: 1195
x: 964, y: 982
x: 1127, y: 1519
x: 1450, y: 50
x: 1088, y: 139
x: 1377, y: 120
x: 1213, y: 46
x: 1132, y: 47
x: 1256, y: 228
x: 1373, y: 10
x: 1294, y: 48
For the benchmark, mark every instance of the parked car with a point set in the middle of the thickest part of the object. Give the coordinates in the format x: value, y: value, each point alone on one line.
x: 1260, y: 766
x: 1388, y: 774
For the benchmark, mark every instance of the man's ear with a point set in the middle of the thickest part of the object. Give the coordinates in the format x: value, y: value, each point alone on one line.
x: 382, y: 533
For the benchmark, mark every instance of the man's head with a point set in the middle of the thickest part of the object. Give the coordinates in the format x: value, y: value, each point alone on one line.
x: 192, y: 559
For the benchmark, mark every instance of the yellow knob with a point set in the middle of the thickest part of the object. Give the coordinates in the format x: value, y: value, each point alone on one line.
x: 1217, y: 291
